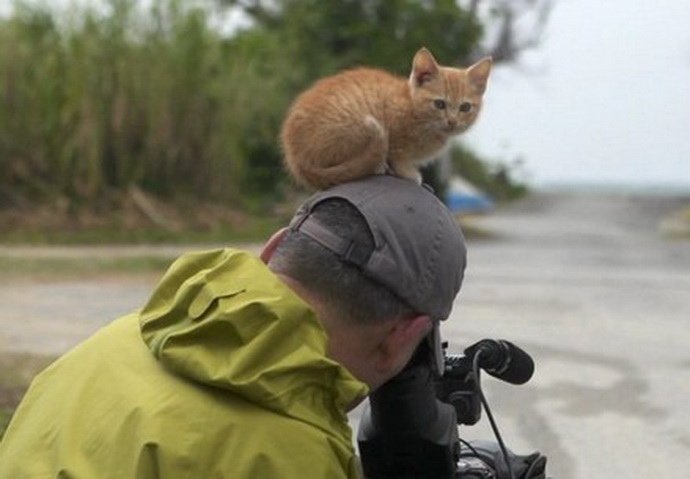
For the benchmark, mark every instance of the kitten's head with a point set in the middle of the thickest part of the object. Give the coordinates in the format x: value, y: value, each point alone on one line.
x: 447, y: 99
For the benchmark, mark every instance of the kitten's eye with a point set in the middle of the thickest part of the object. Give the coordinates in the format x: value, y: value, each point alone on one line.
x: 465, y: 107
x: 440, y: 104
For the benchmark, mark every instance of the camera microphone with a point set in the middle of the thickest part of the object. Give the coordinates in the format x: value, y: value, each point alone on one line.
x: 503, y: 360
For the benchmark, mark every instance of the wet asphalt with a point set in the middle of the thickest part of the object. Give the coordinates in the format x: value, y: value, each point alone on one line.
x: 596, y: 293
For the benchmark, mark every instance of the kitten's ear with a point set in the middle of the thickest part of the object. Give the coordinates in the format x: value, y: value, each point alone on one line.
x: 424, y: 67
x: 479, y: 74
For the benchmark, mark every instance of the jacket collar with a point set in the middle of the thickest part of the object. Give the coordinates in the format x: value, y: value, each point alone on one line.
x: 222, y: 318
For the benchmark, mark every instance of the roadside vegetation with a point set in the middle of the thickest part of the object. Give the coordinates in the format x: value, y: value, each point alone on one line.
x: 677, y: 224
x: 126, y: 123
x: 499, y: 179
x: 17, y: 372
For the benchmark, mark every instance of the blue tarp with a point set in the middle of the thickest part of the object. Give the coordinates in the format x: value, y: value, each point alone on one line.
x: 463, y: 197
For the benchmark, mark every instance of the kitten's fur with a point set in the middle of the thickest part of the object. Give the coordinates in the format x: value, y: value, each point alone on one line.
x: 366, y: 121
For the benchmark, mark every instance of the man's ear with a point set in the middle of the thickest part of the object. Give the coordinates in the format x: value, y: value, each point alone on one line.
x: 272, y: 244
x: 396, y: 349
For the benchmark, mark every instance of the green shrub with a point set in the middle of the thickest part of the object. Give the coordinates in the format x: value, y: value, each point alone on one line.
x: 5, y: 416
x: 97, y: 102
x: 496, y: 178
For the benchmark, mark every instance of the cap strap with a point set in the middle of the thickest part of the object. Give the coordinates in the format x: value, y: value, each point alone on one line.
x: 348, y: 250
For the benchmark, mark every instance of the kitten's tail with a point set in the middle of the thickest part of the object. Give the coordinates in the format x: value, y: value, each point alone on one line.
x: 322, y: 159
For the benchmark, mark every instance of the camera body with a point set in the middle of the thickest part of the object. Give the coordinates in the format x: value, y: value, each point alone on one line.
x: 458, y: 387
x: 474, y: 468
x: 410, y: 428
x: 406, y: 432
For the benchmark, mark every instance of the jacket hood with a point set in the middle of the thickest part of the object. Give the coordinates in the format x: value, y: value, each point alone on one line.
x: 223, y: 319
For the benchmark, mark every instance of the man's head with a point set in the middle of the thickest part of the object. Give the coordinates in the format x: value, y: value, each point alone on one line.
x: 380, y: 260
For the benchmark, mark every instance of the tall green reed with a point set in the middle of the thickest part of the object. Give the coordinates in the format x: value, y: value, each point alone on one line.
x: 102, y: 100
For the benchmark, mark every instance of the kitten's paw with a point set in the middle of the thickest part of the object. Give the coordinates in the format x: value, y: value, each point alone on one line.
x: 382, y: 169
x: 416, y: 176
x: 410, y: 173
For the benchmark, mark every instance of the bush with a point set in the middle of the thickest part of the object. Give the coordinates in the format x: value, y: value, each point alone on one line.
x: 99, y: 102
x: 496, y: 178
x: 5, y: 416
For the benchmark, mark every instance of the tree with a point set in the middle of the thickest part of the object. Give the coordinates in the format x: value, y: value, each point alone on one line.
x: 457, y: 30
x: 504, y: 40
x: 322, y: 37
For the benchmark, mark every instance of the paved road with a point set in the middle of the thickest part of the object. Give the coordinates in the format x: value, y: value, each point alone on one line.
x: 602, y: 301
x: 584, y: 282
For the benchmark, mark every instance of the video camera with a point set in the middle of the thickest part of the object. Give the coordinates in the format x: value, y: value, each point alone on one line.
x: 409, y: 429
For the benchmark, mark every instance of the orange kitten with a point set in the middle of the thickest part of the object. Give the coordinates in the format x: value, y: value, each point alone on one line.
x: 367, y: 121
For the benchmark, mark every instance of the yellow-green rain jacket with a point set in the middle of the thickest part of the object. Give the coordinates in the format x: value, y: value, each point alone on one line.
x: 223, y: 374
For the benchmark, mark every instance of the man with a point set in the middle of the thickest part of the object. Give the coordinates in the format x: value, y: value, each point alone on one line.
x: 244, y: 367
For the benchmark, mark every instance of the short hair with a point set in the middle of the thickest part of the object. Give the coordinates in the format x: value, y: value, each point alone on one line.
x: 339, y: 283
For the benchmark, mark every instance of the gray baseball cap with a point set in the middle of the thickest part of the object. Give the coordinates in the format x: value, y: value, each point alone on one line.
x: 419, y: 251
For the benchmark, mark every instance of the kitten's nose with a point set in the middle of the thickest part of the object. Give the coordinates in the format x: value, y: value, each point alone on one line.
x: 452, y: 123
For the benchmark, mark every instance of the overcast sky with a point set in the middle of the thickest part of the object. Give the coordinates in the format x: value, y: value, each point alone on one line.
x: 606, y: 98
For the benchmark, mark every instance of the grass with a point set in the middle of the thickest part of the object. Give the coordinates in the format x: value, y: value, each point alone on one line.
x: 99, y: 236
x: 33, y: 228
x: 472, y: 231
x: 18, y: 369
x: 677, y: 224
x: 5, y: 416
